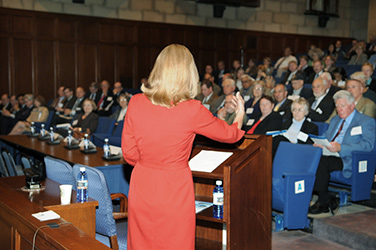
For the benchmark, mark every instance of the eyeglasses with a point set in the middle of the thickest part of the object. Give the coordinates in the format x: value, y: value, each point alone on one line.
x: 123, y: 99
x: 244, y: 81
x: 258, y: 88
x: 296, y: 109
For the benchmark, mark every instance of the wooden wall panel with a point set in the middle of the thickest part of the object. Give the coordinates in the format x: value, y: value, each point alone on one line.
x: 45, y: 69
x: 4, y: 65
x: 46, y: 50
x: 23, y: 67
x: 106, y: 64
x: 87, y: 64
x: 66, y: 64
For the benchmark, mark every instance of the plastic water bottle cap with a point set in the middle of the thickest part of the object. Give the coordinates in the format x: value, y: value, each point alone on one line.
x: 82, y: 169
x: 106, y: 140
x: 218, y: 183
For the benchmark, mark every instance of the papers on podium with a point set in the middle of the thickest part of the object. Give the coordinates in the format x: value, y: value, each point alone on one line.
x: 207, y: 160
x: 321, y: 140
x: 47, y: 215
x: 202, y: 205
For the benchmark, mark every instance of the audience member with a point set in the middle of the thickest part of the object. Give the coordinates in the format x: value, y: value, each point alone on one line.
x: 331, y: 89
x: 120, y: 113
x: 359, y: 58
x: 261, y: 73
x: 281, y: 65
x: 227, y: 113
x: 298, y: 89
x: 331, y: 51
x: 251, y: 68
x: 238, y: 81
x: 298, y: 128
x: 367, y: 70
x: 315, y: 52
x: 59, y: 101
x: 252, y: 106
x: 303, y: 66
x: 340, y: 77
x: 372, y: 59
x: 106, y: 100
x: 207, y: 96
x: 292, y: 69
x: 370, y: 94
x: 269, y: 69
x: 5, y: 103
x: 321, y: 104
x: 246, y: 89
x: 329, y: 63
x: 318, y: 69
x: 118, y: 90
x: 268, y: 121
x: 219, y: 73
x: 341, y: 54
x: 94, y: 92
x: 14, y: 103
x: 228, y: 89
x: 68, y: 114
x: 282, y: 104
x: 217, y: 90
x: 269, y: 85
x: 86, y: 122
x: 235, y: 67
x: 38, y: 114
x: 348, y: 131
x: 70, y: 99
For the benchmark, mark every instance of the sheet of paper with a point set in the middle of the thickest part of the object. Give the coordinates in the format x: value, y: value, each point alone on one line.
x: 46, y: 215
x: 202, y: 205
x: 63, y: 125
x: 207, y: 160
x: 323, y: 141
x: 115, y: 150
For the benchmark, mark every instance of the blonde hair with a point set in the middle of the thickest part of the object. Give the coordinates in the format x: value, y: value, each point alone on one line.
x: 174, y: 77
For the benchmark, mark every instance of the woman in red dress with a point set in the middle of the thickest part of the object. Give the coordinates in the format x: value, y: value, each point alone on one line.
x: 159, y: 129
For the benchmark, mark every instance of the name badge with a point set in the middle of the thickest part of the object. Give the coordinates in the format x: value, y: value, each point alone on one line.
x: 60, y: 105
x: 302, y: 136
x: 246, y: 98
x: 109, y: 98
x: 250, y: 122
x: 282, y: 112
x: 356, y: 130
x: 74, y: 123
x: 318, y: 110
x: 207, y: 106
x: 249, y: 111
x: 293, y: 97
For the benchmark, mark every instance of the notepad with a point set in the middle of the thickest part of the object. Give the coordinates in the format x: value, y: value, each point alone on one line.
x: 46, y: 215
x: 323, y: 141
x: 202, y: 205
x: 207, y: 160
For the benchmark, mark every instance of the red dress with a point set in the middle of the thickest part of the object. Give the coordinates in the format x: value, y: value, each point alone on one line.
x: 158, y: 141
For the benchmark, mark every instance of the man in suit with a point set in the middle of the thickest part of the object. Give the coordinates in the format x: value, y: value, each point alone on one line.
x: 298, y: 89
x: 220, y: 72
x: 70, y: 99
x: 106, y: 99
x: 94, y: 92
x: 228, y: 89
x: 318, y: 69
x: 207, y: 96
x: 59, y: 101
x: 282, y: 63
x: 348, y: 131
x: 292, y: 69
x: 282, y: 104
x: 117, y: 91
x: 5, y: 103
x: 321, y: 103
x: 303, y: 66
x: 246, y: 90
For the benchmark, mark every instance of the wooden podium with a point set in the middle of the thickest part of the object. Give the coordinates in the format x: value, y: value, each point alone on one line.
x: 247, y: 178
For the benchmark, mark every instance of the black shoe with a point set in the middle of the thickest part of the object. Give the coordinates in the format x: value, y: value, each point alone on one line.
x: 317, y: 208
x: 334, y: 204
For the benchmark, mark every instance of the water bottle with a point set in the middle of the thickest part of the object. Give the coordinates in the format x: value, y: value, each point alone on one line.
x: 86, y: 142
x: 106, y: 148
x: 82, y: 185
x: 32, y: 128
x: 42, y: 131
x: 218, y: 200
x: 52, y: 134
x: 69, y: 138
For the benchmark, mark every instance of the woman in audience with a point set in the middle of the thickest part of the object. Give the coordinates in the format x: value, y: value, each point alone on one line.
x: 340, y: 77
x: 38, y: 114
x: 261, y: 73
x: 269, y: 69
x: 119, y: 114
x: 330, y: 63
x: 269, y: 120
x: 251, y: 68
x: 252, y: 106
x: 331, y: 51
x: 88, y: 121
x: 298, y: 128
x: 359, y: 58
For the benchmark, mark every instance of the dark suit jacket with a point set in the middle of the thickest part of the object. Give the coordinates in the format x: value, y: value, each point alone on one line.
x: 214, y: 107
x: 97, y: 96
x: 271, y: 123
x: 372, y: 85
x: 308, y: 71
x: 306, y: 92
x: 285, y: 109
x: 256, y: 114
x: 286, y: 76
x: 90, y: 122
x: 311, y: 77
x: 323, y: 110
x: 68, y: 104
x: 333, y: 89
x: 108, y: 101
x: 23, y: 113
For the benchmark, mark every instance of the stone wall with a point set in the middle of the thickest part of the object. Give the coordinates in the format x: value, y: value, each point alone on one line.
x: 272, y: 16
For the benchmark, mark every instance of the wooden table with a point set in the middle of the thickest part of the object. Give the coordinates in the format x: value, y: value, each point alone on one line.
x: 17, y: 225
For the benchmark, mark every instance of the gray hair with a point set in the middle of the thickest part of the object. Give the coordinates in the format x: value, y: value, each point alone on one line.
x: 326, y: 75
x: 231, y: 81
x: 248, y: 77
x: 303, y: 102
x: 29, y: 97
x: 358, y: 76
x: 344, y: 94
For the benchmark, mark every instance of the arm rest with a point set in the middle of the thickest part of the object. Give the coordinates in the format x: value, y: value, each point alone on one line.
x: 123, y: 206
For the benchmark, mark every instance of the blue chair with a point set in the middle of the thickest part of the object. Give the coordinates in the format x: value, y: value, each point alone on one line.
x: 323, y: 126
x: 13, y: 169
x: 350, y: 69
x: 294, y: 174
x: 114, y: 138
x: 59, y: 171
x: 3, y: 168
x: 47, y: 123
x: 105, y: 125
x: 105, y: 218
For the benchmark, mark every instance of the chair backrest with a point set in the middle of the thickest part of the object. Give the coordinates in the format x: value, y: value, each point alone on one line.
x: 295, y: 158
x: 9, y: 162
x: 105, y: 125
x: 59, y: 171
x: 47, y: 123
x: 98, y: 190
x: 3, y: 168
x: 323, y: 126
x: 26, y: 162
x: 119, y: 129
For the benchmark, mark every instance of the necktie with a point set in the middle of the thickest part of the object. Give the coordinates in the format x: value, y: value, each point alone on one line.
x: 277, y: 107
x: 101, y: 100
x: 339, y: 130
x: 317, y: 75
x: 204, y: 101
x: 314, y: 105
